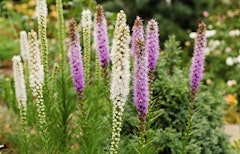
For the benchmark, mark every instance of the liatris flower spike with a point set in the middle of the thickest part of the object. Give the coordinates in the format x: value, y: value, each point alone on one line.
x: 36, y: 77
x: 137, y: 33
x: 196, y: 75
x: 101, y: 37
x: 197, y: 66
x: 152, y: 44
x: 75, y: 58
x: 19, y: 82
x: 121, y: 20
x: 86, y: 32
x: 20, y: 91
x: 141, y: 89
x: 36, y: 73
x: 24, y: 46
x: 41, y: 10
x: 119, y: 82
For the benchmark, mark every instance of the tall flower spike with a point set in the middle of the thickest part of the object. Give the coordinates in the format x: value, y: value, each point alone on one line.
x: 120, y: 82
x: 21, y: 95
x: 121, y: 20
x: 19, y: 82
x: 75, y: 58
x: 101, y: 38
x: 36, y: 76
x: 196, y: 75
x: 137, y: 33
x: 86, y: 27
x: 197, y: 66
x: 152, y: 49
x: 41, y: 9
x: 141, y: 91
x: 24, y: 46
x: 152, y: 44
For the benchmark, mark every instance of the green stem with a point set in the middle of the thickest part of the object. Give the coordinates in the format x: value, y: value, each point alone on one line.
x: 23, y: 118
x: 97, y: 69
x: 151, y: 85
x: 189, y: 123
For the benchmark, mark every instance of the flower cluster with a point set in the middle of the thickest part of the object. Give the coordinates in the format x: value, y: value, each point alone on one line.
x: 119, y: 82
x: 19, y: 82
x: 41, y: 9
x: 101, y: 36
x: 36, y: 76
x: 141, y: 92
x: 137, y: 33
x: 152, y: 44
x: 35, y: 65
x: 75, y: 58
x: 121, y: 20
x: 197, y: 66
x: 86, y: 29
x: 24, y: 46
x: 141, y: 89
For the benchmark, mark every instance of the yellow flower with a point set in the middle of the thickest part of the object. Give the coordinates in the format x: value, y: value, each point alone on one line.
x: 1, y: 19
x: 32, y: 3
x: 9, y: 5
x: 231, y: 99
x: 53, y: 14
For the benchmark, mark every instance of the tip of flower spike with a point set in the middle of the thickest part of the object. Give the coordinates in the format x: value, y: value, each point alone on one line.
x: 72, y: 30
x: 121, y: 11
x: 16, y: 58
x: 138, y: 21
x: 99, y: 10
x: 99, y: 13
x: 32, y: 35
x: 86, y: 18
x: 201, y: 27
x: 152, y: 24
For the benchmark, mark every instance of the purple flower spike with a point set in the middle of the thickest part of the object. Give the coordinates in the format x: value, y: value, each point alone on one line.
x: 137, y: 33
x: 152, y: 44
x: 75, y: 58
x: 197, y: 66
x: 141, y: 91
x: 101, y: 36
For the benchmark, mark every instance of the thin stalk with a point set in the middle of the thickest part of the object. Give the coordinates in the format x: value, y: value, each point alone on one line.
x: 189, y: 123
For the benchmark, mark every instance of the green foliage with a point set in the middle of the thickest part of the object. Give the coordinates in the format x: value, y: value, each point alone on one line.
x: 170, y: 110
x: 174, y: 18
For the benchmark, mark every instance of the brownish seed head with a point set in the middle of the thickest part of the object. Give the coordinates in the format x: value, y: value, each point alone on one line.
x: 99, y: 13
x: 201, y: 27
x: 138, y: 21
x: 72, y: 30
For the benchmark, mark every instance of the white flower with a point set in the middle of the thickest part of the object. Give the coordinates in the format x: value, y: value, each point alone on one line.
x: 238, y: 59
x: 193, y: 35
x: 228, y: 49
x: 19, y: 82
x: 41, y: 8
x: 24, y: 45
x: 234, y: 32
x: 120, y: 81
x: 210, y: 33
x: 35, y: 66
x: 121, y: 20
x: 231, y: 83
x: 207, y: 51
x: 210, y: 26
x: 229, y: 61
x: 86, y: 18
